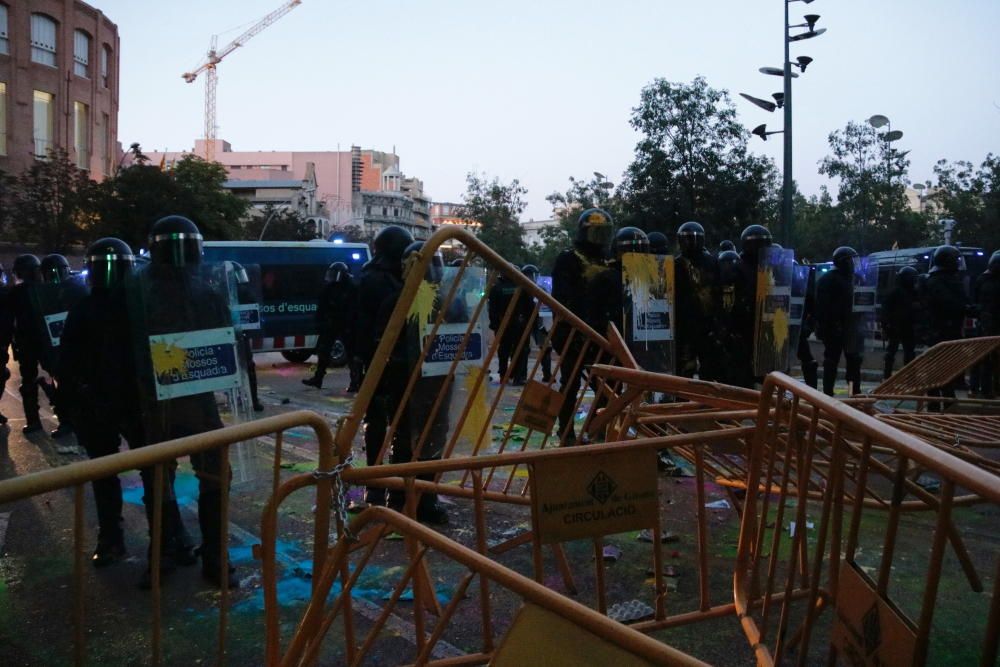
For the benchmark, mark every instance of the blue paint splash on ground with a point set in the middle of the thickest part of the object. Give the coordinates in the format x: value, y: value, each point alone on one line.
x: 185, y: 488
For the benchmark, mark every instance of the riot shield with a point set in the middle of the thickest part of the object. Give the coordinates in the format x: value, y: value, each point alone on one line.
x: 52, y: 303
x: 184, y: 347
x: 773, y: 296
x: 648, y: 299
x: 797, y: 308
x: 863, y: 306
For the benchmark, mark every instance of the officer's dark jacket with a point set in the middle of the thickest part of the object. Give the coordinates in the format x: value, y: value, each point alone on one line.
x: 86, y: 370
x: 337, y: 306
x: 834, y: 302
x: 27, y: 334
x: 378, y: 282
x: 589, y: 288
x: 899, y: 310
x: 947, y: 303
x: 988, y: 298
x: 697, y: 290
x: 500, y: 297
x: 6, y: 317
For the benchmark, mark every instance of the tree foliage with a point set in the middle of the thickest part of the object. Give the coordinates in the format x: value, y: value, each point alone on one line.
x: 274, y: 223
x: 52, y: 203
x: 497, y: 207
x: 971, y: 196
x: 692, y: 163
x: 872, y: 178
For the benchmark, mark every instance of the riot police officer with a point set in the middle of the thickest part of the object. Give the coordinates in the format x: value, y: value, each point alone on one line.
x: 178, y: 299
x: 380, y: 280
x: 659, y: 244
x: 807, y: 362
x: 725, y: 245
x: 947, y: 302
x: 60, y: 292
x: 584, y: 282
x: 697, y: 296
x: 731, y: 340
x: 500, y: 298
x: 90, y: 386
x: 739, y: 356
x: 834, y: 306
x: 988, y: 300
x: 27, y: 336
x: 539, y: 334
x: 898, y: 318
x: 335, y: 317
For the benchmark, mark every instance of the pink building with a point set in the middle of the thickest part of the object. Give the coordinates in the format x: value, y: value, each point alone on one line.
x: 356, y: 187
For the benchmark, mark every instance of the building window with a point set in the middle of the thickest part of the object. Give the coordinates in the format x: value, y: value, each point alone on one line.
x: 368, y: 210
x: 4, y: 46
x: 395, y: 212
x: 3, y: 118
x: 43, y: 40
x: 81, y: 134
x: 105, y: 65
x: 385, y: 211
x: 106, y: 143
x: 44, y: 122
x: 81, y: 54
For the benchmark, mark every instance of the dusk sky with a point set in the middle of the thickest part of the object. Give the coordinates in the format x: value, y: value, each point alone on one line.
x: 541, y: 90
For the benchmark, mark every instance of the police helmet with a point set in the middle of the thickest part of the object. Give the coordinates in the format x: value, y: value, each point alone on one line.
x: 27, y: 268
x: 631, y: 239
x: 457, y: 262
x: 411, y: 255
x: 726, y: 245
x: 531, y: 271
x: 994, y: 265
x: 907, y: 276
x: 946, y: 258
x: 392, y: 242
x: 843, y: 258
x: 55, y: 269
x: 658, y: 243
x: 108, y: 262
x: 175, y: 241
x: 753, y: 239
x: 691, y: 238
x: 595, y: 229
x: 729, y: 261
x: 338, y: 272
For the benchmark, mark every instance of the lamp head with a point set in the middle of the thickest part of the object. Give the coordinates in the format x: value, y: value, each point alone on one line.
x: 760, y: 131
x: 779, y: 99
x: 811, y: 21
x: 803, y: 62
x: 878, y: 120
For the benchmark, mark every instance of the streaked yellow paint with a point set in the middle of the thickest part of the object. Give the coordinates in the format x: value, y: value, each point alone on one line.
x: 475, y: 422
x: 422, y: 308
x: 168, y: 359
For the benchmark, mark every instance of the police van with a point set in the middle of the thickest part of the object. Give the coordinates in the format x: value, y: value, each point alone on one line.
x: 288, y: 278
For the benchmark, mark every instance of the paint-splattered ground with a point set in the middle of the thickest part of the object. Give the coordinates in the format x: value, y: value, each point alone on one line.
x: 36, y: 565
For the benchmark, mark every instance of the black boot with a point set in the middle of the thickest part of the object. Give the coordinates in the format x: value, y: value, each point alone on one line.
x: 314, y: 381
x: 829, y: 380
x: 110, y: 550
x: 810, y: 374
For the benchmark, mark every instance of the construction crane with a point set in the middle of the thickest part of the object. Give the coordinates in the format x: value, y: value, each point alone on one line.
x: 215, y: 56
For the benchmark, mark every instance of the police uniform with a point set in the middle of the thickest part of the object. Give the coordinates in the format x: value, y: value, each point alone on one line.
x: 988, y: 300
x: 335, y: 317
x: 499, y: 302
x: 697, y: 289
x: 947, y: 304
x: 898, y: 320
x: 835, y: 320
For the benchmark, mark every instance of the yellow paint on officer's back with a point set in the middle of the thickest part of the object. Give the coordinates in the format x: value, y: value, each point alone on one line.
x: 780, y: 328
x: 475, y: 421
x: 422, y: 308
x: 168, y: 359
x: 765, y: 281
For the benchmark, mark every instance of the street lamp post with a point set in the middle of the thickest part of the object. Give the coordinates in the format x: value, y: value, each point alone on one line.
x: 877, y: 121
x: 784, y: 100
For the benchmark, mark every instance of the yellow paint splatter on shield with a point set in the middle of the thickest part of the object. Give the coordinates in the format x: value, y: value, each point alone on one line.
x: 422, y: 308
x: 475, y: 422
x: 168, y: 359
x: 780, y: 328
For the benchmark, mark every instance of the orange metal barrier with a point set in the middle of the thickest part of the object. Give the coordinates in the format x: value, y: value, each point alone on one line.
x: 78, y: 475
x: 855, y: 581
x: 937, y: 367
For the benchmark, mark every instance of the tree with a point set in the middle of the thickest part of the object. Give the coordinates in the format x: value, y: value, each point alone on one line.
x: 692, y: 163
x: 278, y: 224
x: 139, y: 194
x: 497, y: 207
x: 972, y: 197
x: 872, y: 185
x: 598, y: 192
x: 52, y: 203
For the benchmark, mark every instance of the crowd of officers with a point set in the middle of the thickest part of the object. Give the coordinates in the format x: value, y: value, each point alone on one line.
x: 98, y: 386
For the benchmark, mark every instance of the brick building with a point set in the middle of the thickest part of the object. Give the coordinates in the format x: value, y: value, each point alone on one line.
x: 58, y: 84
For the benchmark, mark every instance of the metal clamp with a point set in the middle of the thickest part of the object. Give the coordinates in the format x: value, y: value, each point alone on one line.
x: 338, y: 499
